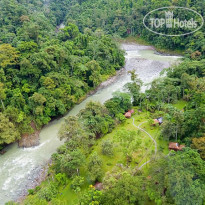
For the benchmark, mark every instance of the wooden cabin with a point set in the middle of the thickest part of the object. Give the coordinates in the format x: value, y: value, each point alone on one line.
x: 129, y: 113
x: 175, y: 146
x: 157, y: 121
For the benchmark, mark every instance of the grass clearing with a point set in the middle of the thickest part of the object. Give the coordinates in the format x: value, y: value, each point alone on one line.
x: 180, y: 104
x: 143, y: 154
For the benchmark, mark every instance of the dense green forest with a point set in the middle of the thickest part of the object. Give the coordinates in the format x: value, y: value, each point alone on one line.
x: 46, y: 71
x: 125, y: 17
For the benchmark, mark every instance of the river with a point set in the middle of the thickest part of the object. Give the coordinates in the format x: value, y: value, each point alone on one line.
x: 19, y: 168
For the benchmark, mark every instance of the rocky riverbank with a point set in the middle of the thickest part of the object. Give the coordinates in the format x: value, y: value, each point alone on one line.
x: 30, y: 140
x: 108, y: 82
x: 39, y: 175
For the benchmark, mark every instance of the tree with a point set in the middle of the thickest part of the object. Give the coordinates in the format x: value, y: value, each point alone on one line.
x: 173, y: 123
x: 61, y: 178
x: 95, y: 167
x: 96, y: 118
x: 71, y: 129
x: 27, y: 48
x: 113, y: 105
x: 91, y: 196
x: 77, y: 183
x: 8, y: 55
x: 37, y: 103
x: 71, y: 162
x: 49, y: 192
x: 157, y: 180
x: 186, y: 184
x: 119, y: 104
x: 177, y: 178
x: 8, y: 132
x: 2, y: 95
x: 74, y: 61
x: 199, y: 145
x: 74, y: 132
x: 70, y: 32
x: 193, y: 122
x: 134, y: 88
x: 107, y: 148
x: 126, y: 189
x: 93, y: 73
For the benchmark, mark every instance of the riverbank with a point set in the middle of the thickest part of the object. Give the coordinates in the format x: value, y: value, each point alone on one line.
x: 30, y: 140
x: 108, y: 82
x: 33, y: 140
x: 41, y: 175
x: 158, y: 51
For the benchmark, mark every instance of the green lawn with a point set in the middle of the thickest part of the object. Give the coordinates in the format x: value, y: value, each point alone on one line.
x: 140, y: 156
x: 109, y: 162
x: 180, y: 104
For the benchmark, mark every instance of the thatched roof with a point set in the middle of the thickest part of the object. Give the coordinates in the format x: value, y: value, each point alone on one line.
x: 155, y: 121
x: 131, y: 111
x: 181, y: 147
x: 128, y: 115
x: 175, y: 146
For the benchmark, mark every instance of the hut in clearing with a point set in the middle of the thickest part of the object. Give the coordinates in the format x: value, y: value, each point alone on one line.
x: 129, y: 113
x: 157, y: 121
x: 175, y: 146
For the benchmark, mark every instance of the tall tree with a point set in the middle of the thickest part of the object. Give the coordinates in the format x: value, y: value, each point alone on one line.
x: 8, y: 132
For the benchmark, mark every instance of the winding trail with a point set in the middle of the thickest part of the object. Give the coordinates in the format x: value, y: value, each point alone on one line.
x: 155, y: 143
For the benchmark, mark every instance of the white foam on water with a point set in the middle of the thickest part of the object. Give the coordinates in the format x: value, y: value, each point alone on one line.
x: 30, y: 149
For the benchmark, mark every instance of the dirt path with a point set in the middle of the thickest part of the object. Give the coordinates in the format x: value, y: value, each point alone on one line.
x: 155, y: 143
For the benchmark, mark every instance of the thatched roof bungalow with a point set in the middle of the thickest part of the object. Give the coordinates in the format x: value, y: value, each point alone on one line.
x: 175, y: 146
x: 157, y: 121
x: 129, y: 113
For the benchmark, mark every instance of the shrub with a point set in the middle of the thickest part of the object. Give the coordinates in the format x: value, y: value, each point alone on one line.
x: 48, y: 192
x: 107, y: 148
x: 77, y: 183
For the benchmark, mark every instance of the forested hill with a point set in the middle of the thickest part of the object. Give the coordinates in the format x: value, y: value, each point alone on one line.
x: 125, y: 17
x: 44, y: 73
